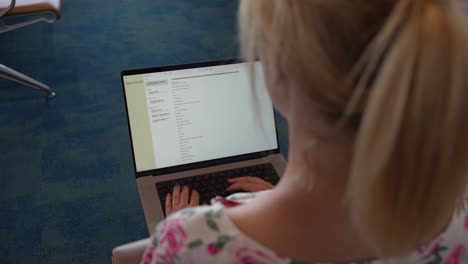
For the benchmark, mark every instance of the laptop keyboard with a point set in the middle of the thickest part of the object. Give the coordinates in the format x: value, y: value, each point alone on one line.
x: 213, y: 184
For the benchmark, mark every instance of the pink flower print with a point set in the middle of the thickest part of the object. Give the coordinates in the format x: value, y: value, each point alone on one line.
x: 163, y: 260
x: 227, y: 203
x: 435, y: 248
x: 148, y: 255
x: 172, y: 238
x: 456, y: 255
x: 251, y: 256
x: 213, y: 249
x: 466, y: 224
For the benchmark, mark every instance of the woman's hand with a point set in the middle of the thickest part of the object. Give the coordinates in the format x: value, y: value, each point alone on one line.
x: 180, y: 199
x: 248, y: 184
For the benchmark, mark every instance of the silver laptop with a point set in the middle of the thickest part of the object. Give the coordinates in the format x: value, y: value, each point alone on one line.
x: 198, y: 125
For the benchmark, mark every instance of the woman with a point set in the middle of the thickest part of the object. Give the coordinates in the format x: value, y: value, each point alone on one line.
x: 375, y: 93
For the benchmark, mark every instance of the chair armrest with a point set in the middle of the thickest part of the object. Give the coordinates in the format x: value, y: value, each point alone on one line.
x: 130, y: 253
x: 8, y: 9
x: 26, y: 7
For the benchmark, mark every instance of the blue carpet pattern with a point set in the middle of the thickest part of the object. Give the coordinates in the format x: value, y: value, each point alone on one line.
x: 67, y: 189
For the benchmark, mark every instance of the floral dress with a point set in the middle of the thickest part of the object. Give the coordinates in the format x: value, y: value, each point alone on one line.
x: 206, y: 235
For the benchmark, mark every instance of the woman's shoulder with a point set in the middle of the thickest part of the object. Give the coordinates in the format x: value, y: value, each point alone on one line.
x: 206, y: 221
x: 205, y: 234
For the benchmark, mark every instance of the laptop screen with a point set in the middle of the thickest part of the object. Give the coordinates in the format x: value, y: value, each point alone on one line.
x: 192, y: 115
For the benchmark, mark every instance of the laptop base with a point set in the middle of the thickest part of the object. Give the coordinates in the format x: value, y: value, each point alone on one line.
x: 149, y: 197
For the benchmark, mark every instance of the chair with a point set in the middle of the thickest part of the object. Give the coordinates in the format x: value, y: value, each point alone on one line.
x: 19, y: 13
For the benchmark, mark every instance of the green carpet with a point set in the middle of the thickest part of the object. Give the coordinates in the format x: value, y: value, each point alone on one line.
x: 67, y: 189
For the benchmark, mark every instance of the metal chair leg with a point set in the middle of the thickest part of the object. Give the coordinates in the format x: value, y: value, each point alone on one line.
x: 15, y: 76
x: 8, y: 23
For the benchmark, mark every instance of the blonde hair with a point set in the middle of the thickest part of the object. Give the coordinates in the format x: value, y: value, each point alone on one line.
x: 399, y: 65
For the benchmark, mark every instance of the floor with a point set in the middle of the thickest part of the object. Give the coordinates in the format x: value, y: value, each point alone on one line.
x: 67, y: 189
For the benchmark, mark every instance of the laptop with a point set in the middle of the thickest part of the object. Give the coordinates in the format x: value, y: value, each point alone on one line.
x: 199, y: 125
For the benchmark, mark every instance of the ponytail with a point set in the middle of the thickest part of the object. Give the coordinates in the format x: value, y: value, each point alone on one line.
x: 411, y: 157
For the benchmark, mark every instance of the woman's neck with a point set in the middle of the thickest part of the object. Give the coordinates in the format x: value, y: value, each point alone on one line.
x: 319, y: 159
x: 308, y: 204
